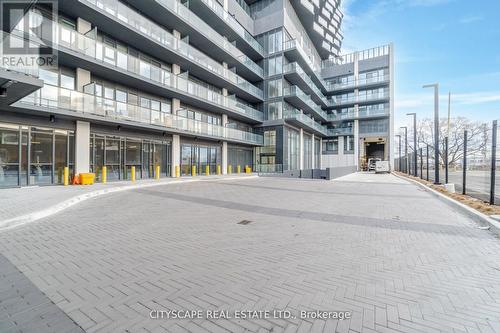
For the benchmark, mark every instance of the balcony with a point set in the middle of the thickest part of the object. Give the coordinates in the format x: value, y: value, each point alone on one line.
x: 18, y: 84
x: 362, y: 99
x: 228, y: 26
x: 90, y: 54
x: 297, y: 76
x: 364, y: 114
x: 340, y: 131
x: 296, y: 117
x: 68, y: 102
x: 295, y: 96
x: 359, y: 83
x: 295, y: 53
x: 117, y: 19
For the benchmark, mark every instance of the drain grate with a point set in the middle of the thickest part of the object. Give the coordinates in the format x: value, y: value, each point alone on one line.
x: 244, y: 222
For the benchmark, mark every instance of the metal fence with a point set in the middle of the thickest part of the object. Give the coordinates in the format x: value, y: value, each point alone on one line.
x: 473, y: 167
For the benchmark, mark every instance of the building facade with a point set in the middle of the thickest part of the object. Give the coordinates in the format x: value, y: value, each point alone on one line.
x: 164, y: 85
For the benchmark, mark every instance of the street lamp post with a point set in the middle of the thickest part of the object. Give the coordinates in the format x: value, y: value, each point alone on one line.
x: 414, y: 139
x: 399, y: 136
x: 407, y: 170
x: 436, y: 130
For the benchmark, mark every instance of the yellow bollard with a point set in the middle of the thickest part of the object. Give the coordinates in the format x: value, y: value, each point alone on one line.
x: 132, y: 173
x: 177, y: 171
x: 104, y: 174
x: 238, y: 169
x: 218, y: 170
x: 207, y: 170
x: 193, y: 170
x: 66, y: 176
x: 157, y: 174
x: 229, y: 169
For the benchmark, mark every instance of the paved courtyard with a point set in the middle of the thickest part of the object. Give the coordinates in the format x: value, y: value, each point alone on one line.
x: 392, y: 255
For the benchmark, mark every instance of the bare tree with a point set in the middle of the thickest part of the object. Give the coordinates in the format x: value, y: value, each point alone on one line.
x: 477, y: 137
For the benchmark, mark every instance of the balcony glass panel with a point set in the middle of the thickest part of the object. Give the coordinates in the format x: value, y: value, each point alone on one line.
x: 89, y: 47
x: 70, y: 100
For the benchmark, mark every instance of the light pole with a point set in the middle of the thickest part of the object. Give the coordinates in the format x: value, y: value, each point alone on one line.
x: 406, y: 149
x: 446, y: 140
x: 414, y: 138
x: 399, y: 136
x: 436, y: 130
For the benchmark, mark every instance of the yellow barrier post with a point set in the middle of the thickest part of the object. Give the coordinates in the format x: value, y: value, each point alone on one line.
x: 104, y: 174
x: 66, y: 176
x: 177, y: 171
x: 207, y: 170
x: 157, y: 174
x: 193, y: 170
x: 238, y: 169
x: 218, y: 170
x: 132, y: 173
x: 229, y: 168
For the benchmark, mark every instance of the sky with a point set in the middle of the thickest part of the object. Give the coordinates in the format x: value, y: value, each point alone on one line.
x: 453, y: 42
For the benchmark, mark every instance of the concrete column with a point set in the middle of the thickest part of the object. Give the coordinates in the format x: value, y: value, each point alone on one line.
x: 224, y: 158
x: 224, y: 146
x: 176, y: 105
x: 82, y: 78
x: 341, y: 145
x: 301, y: 149
x: 83, y: 26
x: 175, y: 153
x: 176, y: 69
x: 226, y: 5
x: 313, y: 154
x: 320, y: 166
x: 356, y: 144
x: 82, y: 147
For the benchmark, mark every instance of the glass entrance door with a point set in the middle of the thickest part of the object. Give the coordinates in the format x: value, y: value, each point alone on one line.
x: 9, y: 156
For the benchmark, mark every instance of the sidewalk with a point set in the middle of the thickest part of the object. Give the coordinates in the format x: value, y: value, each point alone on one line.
x: 21, y: 205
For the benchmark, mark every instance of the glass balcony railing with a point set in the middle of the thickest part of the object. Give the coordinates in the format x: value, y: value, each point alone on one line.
x: 293, y: 44
x: 336, y: 101
x: 357, y: 115
x: 357, y: 83
x: 299, y: 116
x: 295, y: 67
x: 55, y: 97
x: 137, y: 22
x: 234, y: 24
x: 340, y: 131
x: 127, y: 63
x: 373, y: 113
x: 296, y: 91
x: 342, y: 116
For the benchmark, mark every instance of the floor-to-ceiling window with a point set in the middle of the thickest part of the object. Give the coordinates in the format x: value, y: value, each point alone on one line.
x: 120, y: 154
x: 307, y: 158
x: 239, y: 156
x: 34, y: 155
x: 199, y: 156
x: 293, y: 149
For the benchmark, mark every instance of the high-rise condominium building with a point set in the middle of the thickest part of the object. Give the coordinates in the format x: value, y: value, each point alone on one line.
x: 201, y: 85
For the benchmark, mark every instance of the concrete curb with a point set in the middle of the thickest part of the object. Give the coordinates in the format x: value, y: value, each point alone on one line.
x: 476, y: 216
x: 35, y: 216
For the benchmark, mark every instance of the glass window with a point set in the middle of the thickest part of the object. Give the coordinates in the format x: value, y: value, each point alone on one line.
x: 121, y: 96
x: 67, y: 82
x: 49, y: 77
x: 109, y: 93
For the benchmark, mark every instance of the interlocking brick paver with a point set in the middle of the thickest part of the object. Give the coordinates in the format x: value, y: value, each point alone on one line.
x: 387, y: 251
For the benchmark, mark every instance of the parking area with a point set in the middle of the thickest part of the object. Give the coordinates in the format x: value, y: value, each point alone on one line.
x: 373, y: 245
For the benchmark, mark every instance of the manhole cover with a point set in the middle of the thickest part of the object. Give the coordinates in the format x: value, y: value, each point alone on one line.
x: 245, y: 222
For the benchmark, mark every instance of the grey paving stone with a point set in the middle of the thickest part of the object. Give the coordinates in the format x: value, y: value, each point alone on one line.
x: 374, y: 245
